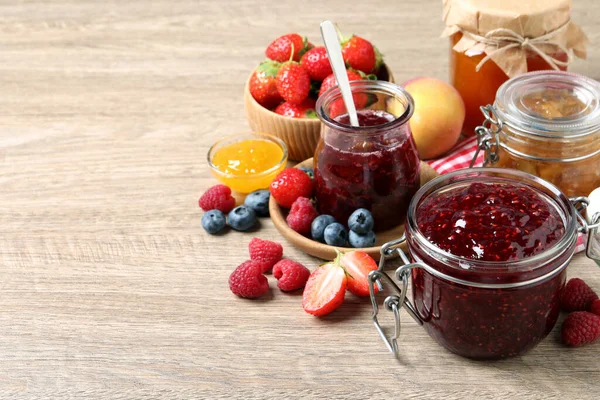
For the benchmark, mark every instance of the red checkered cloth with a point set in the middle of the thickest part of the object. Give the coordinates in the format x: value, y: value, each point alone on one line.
x: 460, y: 157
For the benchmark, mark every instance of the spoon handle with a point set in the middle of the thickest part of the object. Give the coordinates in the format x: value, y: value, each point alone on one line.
x: 334, y: 52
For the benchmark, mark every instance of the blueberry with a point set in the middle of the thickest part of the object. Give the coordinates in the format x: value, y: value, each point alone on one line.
x: 242, y: 218
x: 361, y: 221
x: 213, y: 221
x: 309, y: 171
x: 259, y: 202
x: 361, y: 240
x: 317, y: 228
x: 336, y: 235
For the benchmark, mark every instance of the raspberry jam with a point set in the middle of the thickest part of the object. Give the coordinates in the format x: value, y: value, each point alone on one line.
x: 367, y: 118
x: 491, y: 249
x: 490, y: 222
x: 373, y: 166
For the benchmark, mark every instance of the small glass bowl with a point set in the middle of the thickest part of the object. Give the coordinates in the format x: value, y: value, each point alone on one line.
x: 248, y: 181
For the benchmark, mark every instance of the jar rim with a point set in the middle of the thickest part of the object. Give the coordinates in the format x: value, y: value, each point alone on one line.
x: 383, y: 87
x: 510, y: 109
x: 506, y: 175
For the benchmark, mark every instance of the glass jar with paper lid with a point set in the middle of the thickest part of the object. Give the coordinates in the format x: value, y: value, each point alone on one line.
x: 494, y: 40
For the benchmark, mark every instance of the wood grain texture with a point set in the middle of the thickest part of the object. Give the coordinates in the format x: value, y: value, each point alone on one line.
x: 109, y: 288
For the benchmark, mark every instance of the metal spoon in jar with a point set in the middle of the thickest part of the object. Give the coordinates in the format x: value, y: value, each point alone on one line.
x: 334, y: 52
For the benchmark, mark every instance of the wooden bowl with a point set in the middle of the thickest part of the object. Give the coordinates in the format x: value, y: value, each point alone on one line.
x: 324, y: 251
x: 301, y: 135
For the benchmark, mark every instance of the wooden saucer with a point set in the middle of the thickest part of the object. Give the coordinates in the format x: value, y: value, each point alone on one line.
x: 324, y: 251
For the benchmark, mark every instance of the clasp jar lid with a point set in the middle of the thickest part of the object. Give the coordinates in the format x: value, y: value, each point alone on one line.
x: 550, y: 104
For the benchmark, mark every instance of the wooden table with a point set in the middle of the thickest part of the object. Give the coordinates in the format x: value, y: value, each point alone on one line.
x: 109, y: 287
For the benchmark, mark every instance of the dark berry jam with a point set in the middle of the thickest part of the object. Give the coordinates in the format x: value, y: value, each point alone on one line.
x: 491, y: 228
x: 377, y: 170
x: 368, y: 118
x: 491, y: 222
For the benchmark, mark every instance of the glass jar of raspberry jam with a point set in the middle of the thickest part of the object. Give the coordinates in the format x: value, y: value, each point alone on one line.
x: 488, y: 252
x: 547, y: 124
x: 374, y: 165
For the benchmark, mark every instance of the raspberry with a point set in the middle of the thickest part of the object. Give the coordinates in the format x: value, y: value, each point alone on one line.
x: 248, y: 281
x: 290, y: 184
x: 301, y: 215
x: 577, y: 296
x: 290, y: 275
x: 595, y: 307
x: 217, y: 197
x: 265, y: 252
x: 579, y: 328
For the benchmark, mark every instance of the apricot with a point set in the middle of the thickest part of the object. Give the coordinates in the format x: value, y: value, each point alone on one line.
x: 438, y: 118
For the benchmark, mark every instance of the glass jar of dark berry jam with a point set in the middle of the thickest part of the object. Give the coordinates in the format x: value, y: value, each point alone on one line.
x: 488, y: 252
x: 373, y: 166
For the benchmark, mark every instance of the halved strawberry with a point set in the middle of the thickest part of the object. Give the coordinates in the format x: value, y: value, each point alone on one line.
x: 358, y: 264
x: 325, y: 289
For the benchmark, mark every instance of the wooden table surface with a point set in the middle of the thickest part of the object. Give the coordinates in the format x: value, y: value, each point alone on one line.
x: 109, y: 287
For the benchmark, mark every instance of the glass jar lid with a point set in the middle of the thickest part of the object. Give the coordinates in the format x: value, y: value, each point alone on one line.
x: 550, y: 104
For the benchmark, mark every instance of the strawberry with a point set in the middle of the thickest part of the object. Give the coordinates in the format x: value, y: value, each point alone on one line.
x: 290, y: 184
x: 317, y: 63
x: 325, y: 289
x: 306, y: 109
x: 293, y: 82
x: 360, y: 54
x: 330, y: 81
x: 361, y: 100
x: 358, y: 264
x: 291, y: 46
x: 262, y: 84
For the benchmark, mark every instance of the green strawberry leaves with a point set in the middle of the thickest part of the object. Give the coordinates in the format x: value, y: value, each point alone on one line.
x: 269, y: 68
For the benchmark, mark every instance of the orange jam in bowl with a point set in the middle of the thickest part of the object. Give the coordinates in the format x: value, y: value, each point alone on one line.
x: 247, y: 161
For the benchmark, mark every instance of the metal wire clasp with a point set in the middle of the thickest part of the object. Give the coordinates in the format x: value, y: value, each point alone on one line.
x: 487, y: 136
x: 397, y: 299
x: 592, y: 229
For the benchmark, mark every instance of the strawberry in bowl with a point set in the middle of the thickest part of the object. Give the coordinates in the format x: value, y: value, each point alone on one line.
x: 281, y: 92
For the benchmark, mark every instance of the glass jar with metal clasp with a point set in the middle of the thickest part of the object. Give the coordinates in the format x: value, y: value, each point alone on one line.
x: 487, y: 255
x: 547, y: 124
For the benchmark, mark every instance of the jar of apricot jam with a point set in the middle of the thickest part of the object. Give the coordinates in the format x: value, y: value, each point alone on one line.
x: 488, y: 252
x: 374, y: 165
x: 547, y: 124
x: 494, y: 40
x: 477, y: 87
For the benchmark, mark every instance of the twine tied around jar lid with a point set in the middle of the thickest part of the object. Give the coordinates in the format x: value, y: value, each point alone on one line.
x: 507, y: 31
x: 505, y: 39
